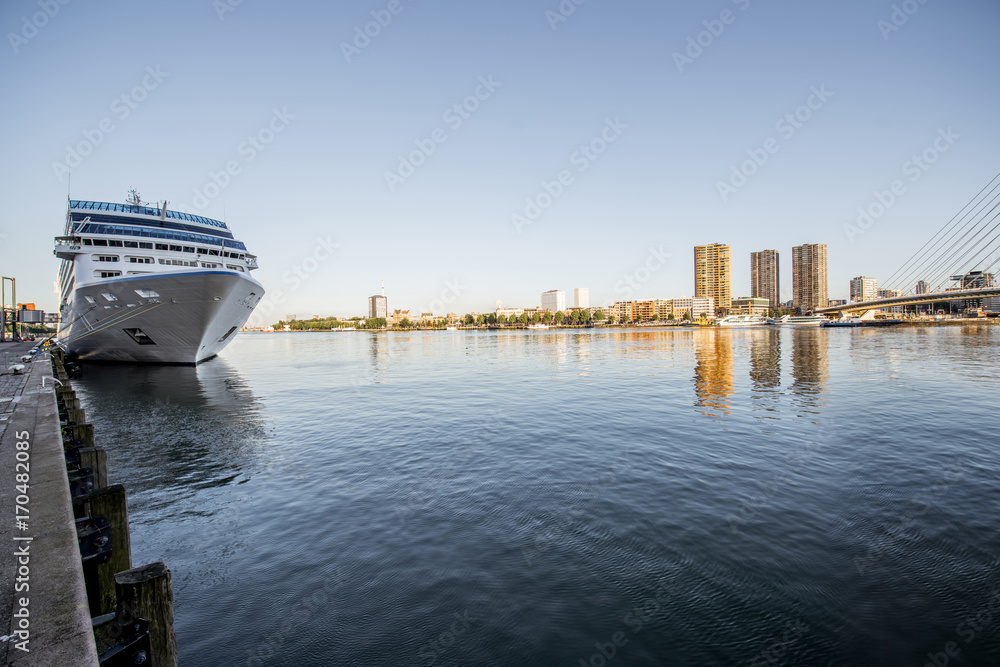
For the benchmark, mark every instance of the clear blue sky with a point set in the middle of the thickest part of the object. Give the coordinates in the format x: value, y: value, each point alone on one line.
x: 886, y: 93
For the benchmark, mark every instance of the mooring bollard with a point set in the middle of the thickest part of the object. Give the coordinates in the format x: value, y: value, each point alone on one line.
x: 112, y: 503
x: 144, y: 592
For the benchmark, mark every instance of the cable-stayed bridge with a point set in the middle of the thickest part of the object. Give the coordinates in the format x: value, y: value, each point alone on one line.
x: 957, y: 264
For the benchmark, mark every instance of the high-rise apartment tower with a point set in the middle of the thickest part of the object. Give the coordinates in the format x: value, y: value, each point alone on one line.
x: 713, y: 274
x: 809, y: 277
x: 765, y: 282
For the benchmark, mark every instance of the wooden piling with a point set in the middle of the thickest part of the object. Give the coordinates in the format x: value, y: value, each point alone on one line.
x: 77, y: 416
x: 82, y: 432
x: 144, y: 592
x: 112, y: 503
x: 96, y: 459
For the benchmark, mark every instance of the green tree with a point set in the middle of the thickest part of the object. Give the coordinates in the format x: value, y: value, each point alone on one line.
x: 491, y: 318
x: 670, y: 317
x: 469, y: 319
x: 611, y: 319
x: 501, y: 319
x: 599, y: 315
x: 587, y: 315
x: 479, y: 320
x: 560, y: 316
x: 703, y: 316
x: 524, y: 318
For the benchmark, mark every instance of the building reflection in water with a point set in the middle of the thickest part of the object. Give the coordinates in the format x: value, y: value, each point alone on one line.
x: 765, y: 366
x: 713, y: 371
x: 809, y: 363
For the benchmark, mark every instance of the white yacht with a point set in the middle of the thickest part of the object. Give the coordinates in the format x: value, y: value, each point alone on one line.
x: 799, y: 320
x: 741, y: 320
x: 146, y: 284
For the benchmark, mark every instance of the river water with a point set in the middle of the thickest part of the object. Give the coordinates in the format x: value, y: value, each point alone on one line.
x: 681, y: 496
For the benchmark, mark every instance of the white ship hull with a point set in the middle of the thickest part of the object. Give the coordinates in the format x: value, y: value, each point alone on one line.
x: 191, y: 318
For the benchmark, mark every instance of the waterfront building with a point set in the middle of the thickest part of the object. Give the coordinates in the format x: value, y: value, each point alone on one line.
x: 643, y: 311
x: 554, y: 300
x: 888, y: 294
x: 622, y: 311
x: 809, y: 277
x: 508, y: 312
x: 765, y: 281
x: 693, y: 306
x: 836, y: 302
x: 378, y: 306
x: 713, y: 274
x: 922, y: 287
x: 581, y: 297
x: 749, y: 305
x: 664, y: 308
x: 864, y: 288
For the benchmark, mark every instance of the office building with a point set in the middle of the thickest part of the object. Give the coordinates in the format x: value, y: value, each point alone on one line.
x: 922, y: 287
x: 377, y: 306
x: 751, y: 305
x: 581, y: 297
x: 694, y: 307
x: 809, y: 277
x: 864, y: 288
x: 554, y: 300
x: 765, y: 282
x: 889, y: 294
x: 713, y: 274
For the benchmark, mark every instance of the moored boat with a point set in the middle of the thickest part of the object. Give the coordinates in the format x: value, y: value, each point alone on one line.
x: 145, y: 284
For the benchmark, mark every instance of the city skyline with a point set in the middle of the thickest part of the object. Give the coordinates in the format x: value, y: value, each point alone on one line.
x: 463, y: 181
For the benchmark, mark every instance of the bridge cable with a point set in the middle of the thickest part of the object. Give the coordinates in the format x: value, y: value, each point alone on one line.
x: 920, y: 261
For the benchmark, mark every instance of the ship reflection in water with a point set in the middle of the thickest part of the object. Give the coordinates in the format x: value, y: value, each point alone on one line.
x: 179, y: 428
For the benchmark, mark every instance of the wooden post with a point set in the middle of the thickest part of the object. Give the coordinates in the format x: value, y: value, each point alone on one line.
x: 112, y: 503
x: 144, y: 592
x: 96, y: 459
x: 78, y: 416
x: 84, y: 432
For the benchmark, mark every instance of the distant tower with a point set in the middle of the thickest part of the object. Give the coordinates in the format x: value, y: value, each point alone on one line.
x: 378, y: 305
x: 765, y: 281
x: 554, y: 300
x: 809, y: 277
x: 581, y: 297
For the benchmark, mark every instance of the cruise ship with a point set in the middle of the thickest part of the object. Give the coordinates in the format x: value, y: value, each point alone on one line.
x: 145, y: 284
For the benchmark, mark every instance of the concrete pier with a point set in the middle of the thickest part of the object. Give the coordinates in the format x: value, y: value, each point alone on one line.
x: 43, y: 598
